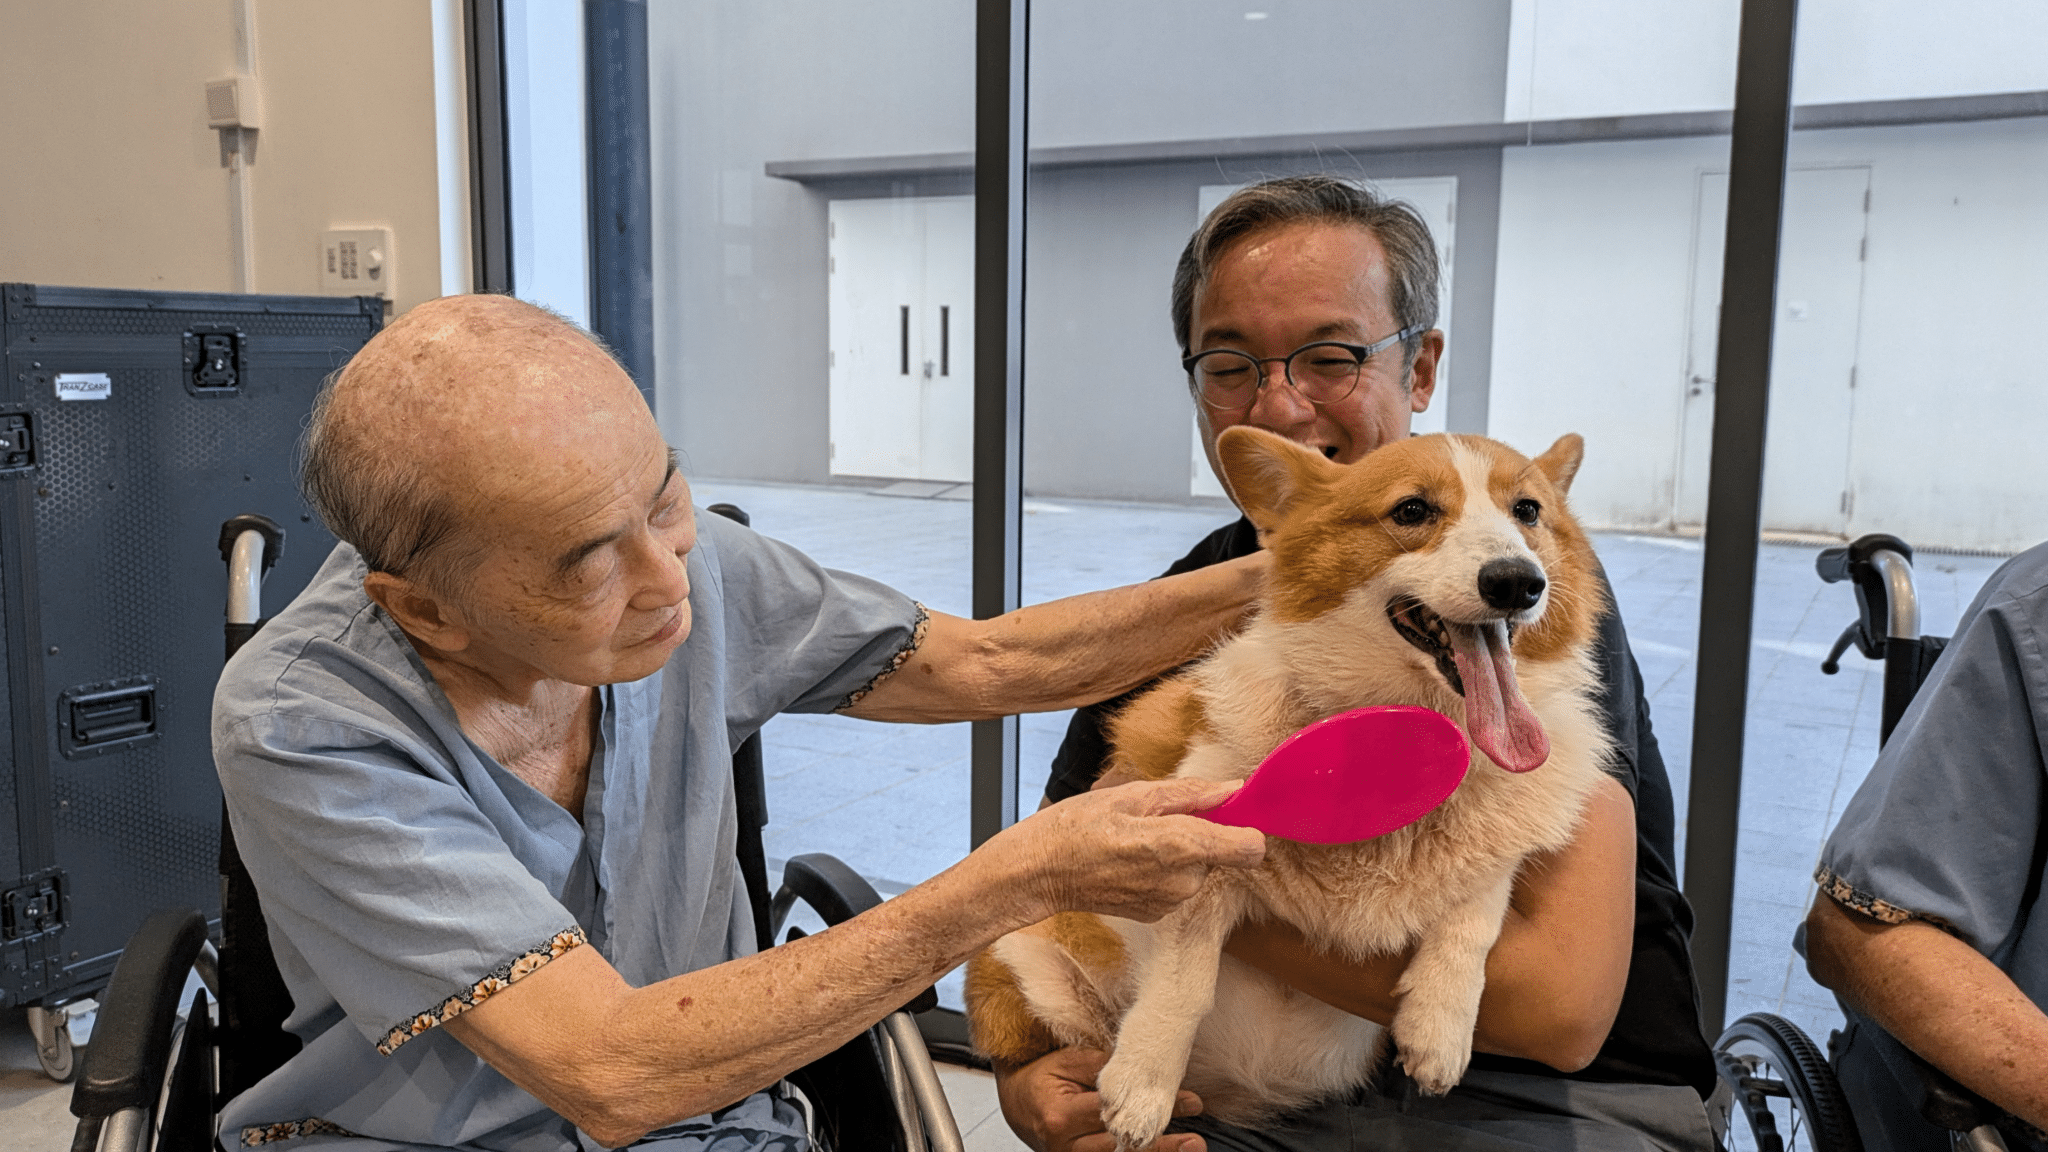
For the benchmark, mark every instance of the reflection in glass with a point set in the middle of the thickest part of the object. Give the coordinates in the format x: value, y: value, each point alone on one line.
x: 813, y: 334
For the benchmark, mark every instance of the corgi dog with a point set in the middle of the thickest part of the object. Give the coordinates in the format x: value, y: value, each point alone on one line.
x: 1443, y: 571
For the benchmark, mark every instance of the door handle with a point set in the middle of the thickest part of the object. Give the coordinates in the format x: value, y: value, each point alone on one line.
x: 927, y: 369
x: 905, y: 343
x: 1700, y: 384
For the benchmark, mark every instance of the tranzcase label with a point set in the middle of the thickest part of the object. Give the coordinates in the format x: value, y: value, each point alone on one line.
x: 84, y: 386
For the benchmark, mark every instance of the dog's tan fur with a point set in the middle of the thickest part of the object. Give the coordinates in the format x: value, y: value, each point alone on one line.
x: 1173, y: 1008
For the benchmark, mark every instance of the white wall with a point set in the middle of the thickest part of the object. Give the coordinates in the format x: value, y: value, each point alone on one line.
x: 1146, y: 70
x: 1590, y: 312
x: 1951, y: 403
x: 740, y: 256
x: 1952, y: 395
x: 112, y: 179
x: 1569, y: 58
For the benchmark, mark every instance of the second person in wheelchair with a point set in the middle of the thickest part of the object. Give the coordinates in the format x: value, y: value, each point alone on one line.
x: 481, y: 769
x: 1925, y: 926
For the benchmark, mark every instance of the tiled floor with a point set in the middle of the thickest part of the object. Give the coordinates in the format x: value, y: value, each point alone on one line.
x: 892, y: 800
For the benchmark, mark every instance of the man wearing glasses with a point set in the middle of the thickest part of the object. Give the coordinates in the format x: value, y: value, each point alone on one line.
x: 1307, y: 306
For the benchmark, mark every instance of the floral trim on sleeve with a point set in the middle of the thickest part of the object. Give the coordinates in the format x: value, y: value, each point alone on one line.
x: 1856, y: 900
x: 261, y: 1134
x: 500, y: 978
x: 918, y: 629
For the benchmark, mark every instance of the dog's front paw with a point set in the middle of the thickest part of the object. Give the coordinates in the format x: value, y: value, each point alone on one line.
x: 1434, y: 1057
x: 1135, y: 1106
x: 1435, y: 1072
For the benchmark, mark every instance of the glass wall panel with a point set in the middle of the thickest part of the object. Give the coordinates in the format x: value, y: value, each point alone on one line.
x: 1907, y: 220
x: 1570, y: 158
x: 1901, y: 403
x: 1144, y: 117
x: 814, y: 327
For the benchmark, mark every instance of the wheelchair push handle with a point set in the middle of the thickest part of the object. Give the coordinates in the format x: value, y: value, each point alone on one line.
x: 250, y: 544
x: 1880, y: 567
x: 1887, y: 625
x: 1833, y: 564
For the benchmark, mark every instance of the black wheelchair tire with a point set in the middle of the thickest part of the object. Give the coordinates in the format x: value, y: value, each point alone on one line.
x: 1795, y: 1069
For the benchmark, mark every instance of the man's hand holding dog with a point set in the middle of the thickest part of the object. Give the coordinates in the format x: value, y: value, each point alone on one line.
x: 1053, y: 1105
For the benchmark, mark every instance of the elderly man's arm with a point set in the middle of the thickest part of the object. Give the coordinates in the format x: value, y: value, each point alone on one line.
x: 1066, y: 652
x: 1941, y: 998
x: 621, y: 1061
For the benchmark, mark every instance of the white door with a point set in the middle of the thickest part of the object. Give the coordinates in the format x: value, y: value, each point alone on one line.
x: 946, y: 337
x: 1436, y: 198
x: 901, y: 328
x: 1813, y: 352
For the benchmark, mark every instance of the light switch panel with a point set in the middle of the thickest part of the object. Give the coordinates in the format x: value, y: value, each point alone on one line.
x: 357, y: 262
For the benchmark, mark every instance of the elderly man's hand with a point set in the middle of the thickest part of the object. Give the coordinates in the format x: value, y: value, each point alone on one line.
x: 1052, y: 1105
x: 1130, y: 852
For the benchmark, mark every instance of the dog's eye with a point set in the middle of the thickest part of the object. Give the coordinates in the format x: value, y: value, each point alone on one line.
x: 1527, y: 510
x: 1412, y: 511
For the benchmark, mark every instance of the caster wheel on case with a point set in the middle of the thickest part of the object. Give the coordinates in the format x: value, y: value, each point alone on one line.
x: 54, y: 1050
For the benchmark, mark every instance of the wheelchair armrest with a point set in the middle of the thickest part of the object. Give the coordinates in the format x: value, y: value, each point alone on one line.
x: 1947, y: 1104
x: 131, y: 1044
x: 838, y: 894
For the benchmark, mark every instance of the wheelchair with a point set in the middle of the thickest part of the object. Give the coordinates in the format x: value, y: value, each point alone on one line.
x: 1779, y: 1082
x: 159, y: 1066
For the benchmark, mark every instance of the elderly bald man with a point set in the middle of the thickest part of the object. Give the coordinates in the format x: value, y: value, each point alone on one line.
x: 480, y: 770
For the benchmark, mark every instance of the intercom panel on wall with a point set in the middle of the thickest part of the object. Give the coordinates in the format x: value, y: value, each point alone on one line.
x: 132, y: 424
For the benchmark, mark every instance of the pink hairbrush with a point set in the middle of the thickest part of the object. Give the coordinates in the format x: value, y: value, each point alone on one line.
x: 1351, y: 777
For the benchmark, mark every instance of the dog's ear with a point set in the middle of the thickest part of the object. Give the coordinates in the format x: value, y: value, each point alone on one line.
x: 1268, y: 474
x: 1561, y: 460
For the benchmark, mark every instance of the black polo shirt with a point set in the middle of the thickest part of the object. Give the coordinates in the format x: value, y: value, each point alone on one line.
x: 1656, y: 1037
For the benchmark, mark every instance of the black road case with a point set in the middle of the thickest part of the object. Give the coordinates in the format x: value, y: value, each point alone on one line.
x: 132, y: 424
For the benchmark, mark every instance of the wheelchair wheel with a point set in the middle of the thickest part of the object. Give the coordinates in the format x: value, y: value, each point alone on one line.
x: 1785, y: 1095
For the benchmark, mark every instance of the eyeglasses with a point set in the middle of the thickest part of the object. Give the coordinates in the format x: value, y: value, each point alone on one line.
x: 1323, y: 372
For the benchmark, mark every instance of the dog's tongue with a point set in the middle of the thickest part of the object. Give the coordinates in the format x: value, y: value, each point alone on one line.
x: 1497, y: 717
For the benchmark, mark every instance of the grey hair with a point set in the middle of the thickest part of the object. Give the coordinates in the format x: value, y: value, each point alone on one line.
x: 1411, y: 253
x: 376, y: 500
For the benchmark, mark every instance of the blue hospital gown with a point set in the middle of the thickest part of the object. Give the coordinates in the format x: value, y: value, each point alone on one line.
x: 405, y: 875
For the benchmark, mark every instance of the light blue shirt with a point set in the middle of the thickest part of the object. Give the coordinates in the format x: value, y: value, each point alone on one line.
x: 405, y: 875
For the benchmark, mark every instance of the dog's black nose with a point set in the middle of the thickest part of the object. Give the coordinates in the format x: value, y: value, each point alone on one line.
x: 1511, y: 585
